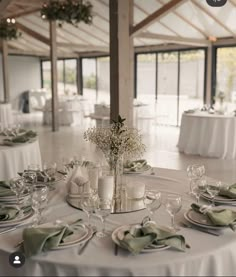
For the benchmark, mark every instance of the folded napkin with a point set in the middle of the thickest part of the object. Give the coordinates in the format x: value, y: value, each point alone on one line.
x: 8, y: 213
x: 229, y: 192
x: 140, y: 237
x: 37, y: 240
x: 22, y: 138
x: 135, y: 165
x: 219, y: 217
x: 5, y: 189
x: 77, y: 180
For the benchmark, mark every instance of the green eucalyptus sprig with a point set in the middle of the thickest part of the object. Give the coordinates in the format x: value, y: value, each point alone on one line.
x: 72, y: 12
x: 8, y: 30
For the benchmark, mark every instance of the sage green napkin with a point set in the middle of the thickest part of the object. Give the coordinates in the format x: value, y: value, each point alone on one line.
x: 37, y: 240
x: 22, y: 138
x: 219, y: 217
x: 135, y: 165
x: 145, y: 236
x: 5, y: 189
x: 229, y: 192
x: 8, y: 213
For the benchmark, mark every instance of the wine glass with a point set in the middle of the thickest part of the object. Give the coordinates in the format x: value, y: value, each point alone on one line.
x: 103, y: 210
x: 88, y: 205
x: 173, y: 204
x: 17, y: 185
x: 213, y: 188
x: 194, y: 173
x: 39, y: 198
x: 199, y: 188
x: 152, y: 201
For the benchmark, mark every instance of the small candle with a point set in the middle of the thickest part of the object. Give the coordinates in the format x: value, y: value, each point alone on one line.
x: 105, y: 187
x: 135, y: 190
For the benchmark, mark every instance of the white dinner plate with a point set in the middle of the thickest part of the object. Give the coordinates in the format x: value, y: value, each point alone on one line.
x: 18, y: 219
x: 76, y: 238
x: 141, y: 170
x: 118, y: 232
x: 219, y: 199
x: 201, y: 220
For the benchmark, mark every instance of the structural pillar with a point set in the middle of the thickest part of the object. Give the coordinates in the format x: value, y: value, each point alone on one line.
x: 5, y: 71
x: 121, y: 60
x: 53, y: 51
x: 210, y: 74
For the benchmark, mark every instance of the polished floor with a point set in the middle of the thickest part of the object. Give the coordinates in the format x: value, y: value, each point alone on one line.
x: 160, y: 141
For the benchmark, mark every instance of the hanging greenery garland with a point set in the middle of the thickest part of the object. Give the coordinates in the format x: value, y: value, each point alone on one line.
x: 68, y: 11
x: 8, y: 29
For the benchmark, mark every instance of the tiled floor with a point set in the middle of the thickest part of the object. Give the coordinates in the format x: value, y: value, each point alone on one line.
x: 160, y: 141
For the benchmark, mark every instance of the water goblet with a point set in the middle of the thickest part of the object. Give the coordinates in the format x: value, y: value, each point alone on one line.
x: 194, y: 173
x: 173, y: 204
x: 199, y: 188
x: 88, y: 205
x: 103, y: 210
x: 213, y: 188
x: 17, y: 185
x: 39, y: 198
x: 152, y: 201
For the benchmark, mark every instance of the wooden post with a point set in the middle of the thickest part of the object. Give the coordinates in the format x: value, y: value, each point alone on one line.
x: 208, y: 69
x: 5, y: 71
x: 121, y: 60
x: 53, y: 51
x: 79, y: 77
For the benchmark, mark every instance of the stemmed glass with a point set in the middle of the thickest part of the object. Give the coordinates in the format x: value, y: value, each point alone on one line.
x: 195, y: 172
x: 88, y: 204
x: 173, y: 204
x: 17, y: 185
x: 39, y: 198
x: 213, y: 188
x: 103, y: 210
x: 152, y: 201
x: 199, y: 188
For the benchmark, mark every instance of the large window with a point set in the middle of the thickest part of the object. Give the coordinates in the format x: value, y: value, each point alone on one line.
x: 175, y: 79
x: 226, y: 76
x: 66, y: 75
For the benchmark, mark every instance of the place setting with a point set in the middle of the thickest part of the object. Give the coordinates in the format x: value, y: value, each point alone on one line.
x: 17, y: 136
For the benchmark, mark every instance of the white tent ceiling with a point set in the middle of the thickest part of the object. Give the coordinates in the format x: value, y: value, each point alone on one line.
x: 191, y: 22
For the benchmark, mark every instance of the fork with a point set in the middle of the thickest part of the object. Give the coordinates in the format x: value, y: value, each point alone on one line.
x: 81, y: 249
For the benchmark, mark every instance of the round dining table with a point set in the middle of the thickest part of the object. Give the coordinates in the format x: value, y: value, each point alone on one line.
x: 208, y: 255
x: 208, y: 135
x: 6, y: 116
x: 14, y: 159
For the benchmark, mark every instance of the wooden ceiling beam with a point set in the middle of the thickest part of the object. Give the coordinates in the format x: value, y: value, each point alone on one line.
x: 24, y: 12
x: 3, y: 6
x: 187, y: 21
x: 180, y: 40
x: 173, y: 4
x: 33, y: 34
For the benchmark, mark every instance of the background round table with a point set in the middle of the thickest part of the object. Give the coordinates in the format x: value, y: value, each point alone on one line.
x: 6, y: 116
x: 208, y: 135
x: 15, y: 159
x: 208, y: 256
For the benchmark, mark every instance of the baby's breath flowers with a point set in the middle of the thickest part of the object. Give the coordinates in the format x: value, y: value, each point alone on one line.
x: 116, y: 141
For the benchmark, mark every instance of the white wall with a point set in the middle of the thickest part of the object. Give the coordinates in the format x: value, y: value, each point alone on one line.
x: 24, y: 74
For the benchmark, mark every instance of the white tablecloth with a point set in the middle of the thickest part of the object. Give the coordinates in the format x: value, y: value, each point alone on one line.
x: 70, y: 112
x: 15, y: 159
x: 208, y: 256
x: 6, y: 116
x: 208, y: 135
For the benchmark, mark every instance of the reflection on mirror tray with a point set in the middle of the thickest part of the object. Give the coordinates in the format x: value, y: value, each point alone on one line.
x: 125, y: 206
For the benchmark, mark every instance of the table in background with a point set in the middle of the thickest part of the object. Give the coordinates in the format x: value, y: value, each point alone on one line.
x: 14, y: 159
x: 208, y: 256
x: 6, y: 116
x: 208, y: 135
